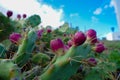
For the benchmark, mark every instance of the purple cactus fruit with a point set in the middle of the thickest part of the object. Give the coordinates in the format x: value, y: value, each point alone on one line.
x: 64, y: 35
x: 19, y: 16
x: 99, y: 48
x: 79, y: 38
x: 56, y: 44
x: 92, y: 61
x: 49, y: 30
x: 15, y: 37
x: 9, y: 13
x: 24, y: 15
x: 91, y: 36
x: 39, y: 33
x: 70, y: 43
x: 93, y: 40
x: 91, y: 33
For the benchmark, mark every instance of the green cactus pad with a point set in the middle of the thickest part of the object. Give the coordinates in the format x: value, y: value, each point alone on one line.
x: 9, y: 70
x: 2, y: 51
x: 41, y: 59
x: 25, y: 49
x: 65, y: 66
x: 64, y: 27
x: 33, y: 20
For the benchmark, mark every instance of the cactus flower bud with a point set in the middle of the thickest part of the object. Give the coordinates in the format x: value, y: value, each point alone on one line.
x: 49, y: 30
x: 64, y: 35
x: 99, y: 48
x: 93, y: 40
x: 15, y: 37
x: 91, y: 33
x: 24, y: 15
x: 56, y: 45
x: 19, y: 16
x: 92, y: 61
x: 79, y: 38
x: 91, y: 36
x: 39, y: 33
x: 9, y: 13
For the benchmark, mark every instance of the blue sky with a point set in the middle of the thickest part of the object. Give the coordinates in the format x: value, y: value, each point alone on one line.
x: 97, y: 14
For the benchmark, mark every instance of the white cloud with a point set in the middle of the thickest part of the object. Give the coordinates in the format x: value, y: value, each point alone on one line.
x: 74, y: 14
x: 48, y: 15
x: 97, y: 11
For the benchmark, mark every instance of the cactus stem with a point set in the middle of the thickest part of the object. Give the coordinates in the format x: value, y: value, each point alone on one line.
x: 51, y: 69
x: 62, y: 63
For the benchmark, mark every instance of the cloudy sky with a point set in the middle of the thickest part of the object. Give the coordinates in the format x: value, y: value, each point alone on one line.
x: 97, y: 14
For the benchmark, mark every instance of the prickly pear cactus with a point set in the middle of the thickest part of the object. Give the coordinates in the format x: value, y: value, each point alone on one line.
x: 5, y: 27
x: 33, y: 21
x: 48, y: 54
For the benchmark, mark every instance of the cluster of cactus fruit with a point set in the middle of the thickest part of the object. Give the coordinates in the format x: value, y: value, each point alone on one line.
x: 41, y: 54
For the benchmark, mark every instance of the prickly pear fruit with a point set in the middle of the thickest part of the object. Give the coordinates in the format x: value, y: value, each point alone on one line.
x: 57, y: 46
x: 79, y: 38
x: 91, y: 36
x: 9, y: 13
x: 15, y: 37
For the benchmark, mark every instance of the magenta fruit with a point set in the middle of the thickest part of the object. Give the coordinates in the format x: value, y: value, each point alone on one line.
x: 9, y: 13
x: 79, y: 38
x: 15, y: 37
x: 56, y: 44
